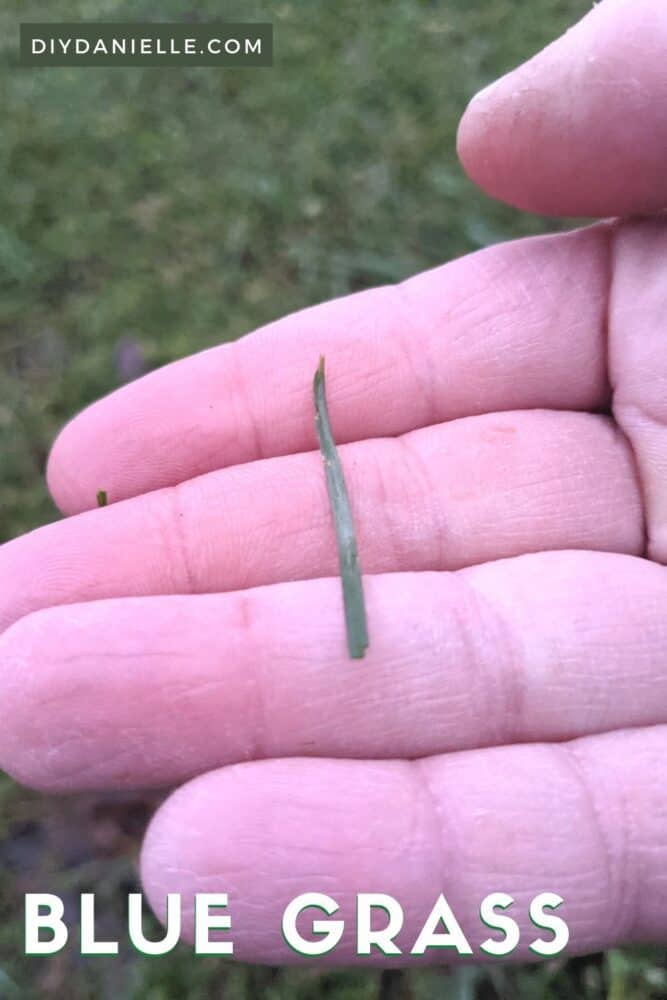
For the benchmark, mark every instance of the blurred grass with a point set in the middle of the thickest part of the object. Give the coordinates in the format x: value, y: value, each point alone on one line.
x: 149, y: 213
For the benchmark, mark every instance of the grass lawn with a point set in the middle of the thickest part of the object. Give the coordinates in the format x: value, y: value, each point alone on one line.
x: 150, y: 213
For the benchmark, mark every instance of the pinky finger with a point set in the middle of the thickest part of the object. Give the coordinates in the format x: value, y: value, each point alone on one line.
x: 586, y: 820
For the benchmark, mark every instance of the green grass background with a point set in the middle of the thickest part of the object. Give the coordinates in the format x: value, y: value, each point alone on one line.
x: 148, y: 213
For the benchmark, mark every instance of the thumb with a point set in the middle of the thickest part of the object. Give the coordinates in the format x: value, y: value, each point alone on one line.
x: 581, y: 128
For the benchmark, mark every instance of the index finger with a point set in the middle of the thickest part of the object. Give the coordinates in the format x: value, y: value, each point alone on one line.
x: 515, y: 326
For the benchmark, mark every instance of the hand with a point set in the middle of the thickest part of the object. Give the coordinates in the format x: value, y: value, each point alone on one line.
x: 502, y: 429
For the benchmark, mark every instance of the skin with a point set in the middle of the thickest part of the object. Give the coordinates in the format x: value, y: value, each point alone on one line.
x: 503, y: 421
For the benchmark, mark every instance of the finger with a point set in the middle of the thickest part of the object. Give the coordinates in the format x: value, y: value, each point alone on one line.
x: 638, y: 363
x: 580, y: 128
x: 149, y: 691
x: 585, y: 820
x: 512, y: 327
x: 440, y: 498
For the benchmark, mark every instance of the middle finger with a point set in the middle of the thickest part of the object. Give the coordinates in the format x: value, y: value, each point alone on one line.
x: 447, y: 496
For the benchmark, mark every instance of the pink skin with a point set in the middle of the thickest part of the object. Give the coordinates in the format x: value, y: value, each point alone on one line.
x: 577, y: 130
x: 549, y: 646
x: 516, y: 534
x: 586, y: 817
x: 470, y: 337
x: 442, y: 497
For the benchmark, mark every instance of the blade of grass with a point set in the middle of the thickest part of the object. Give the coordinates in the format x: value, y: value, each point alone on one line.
x: 353, y: 594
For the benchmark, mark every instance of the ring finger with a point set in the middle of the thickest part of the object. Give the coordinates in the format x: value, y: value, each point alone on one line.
x: 148, y: 691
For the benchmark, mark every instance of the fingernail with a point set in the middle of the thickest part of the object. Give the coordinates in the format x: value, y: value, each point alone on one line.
x: 485, y: 92
x: 508, y: 82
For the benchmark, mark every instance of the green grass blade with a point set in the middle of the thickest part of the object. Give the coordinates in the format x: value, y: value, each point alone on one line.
x: 353, y: 594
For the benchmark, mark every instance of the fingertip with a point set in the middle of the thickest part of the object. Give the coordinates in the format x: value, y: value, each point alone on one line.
x: 87, y: 455
x: 24, y: 644
x: 498, y: 137
x: 62, y: 473
x: 473, y: 139
x: 578, y: 129
x: 158, y: 858
x: 204, y: 837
